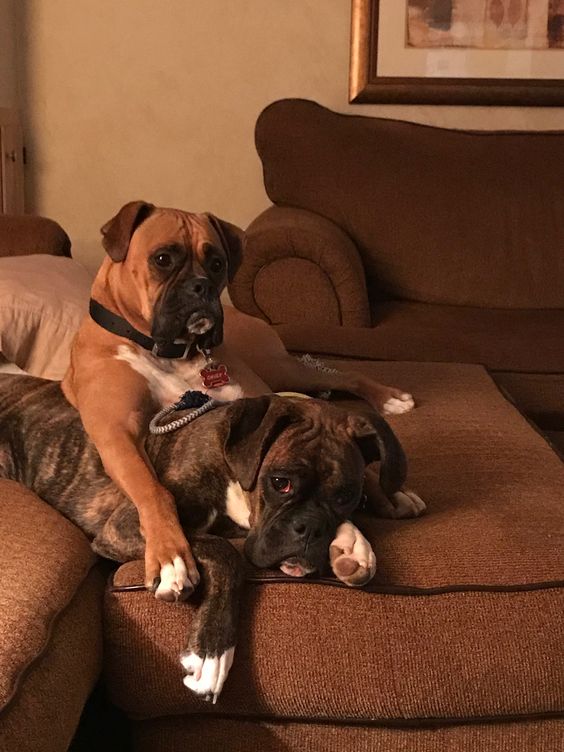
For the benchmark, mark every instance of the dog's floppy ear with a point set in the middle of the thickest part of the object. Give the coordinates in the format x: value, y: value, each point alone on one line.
x: 254, y: 424
x: 117, y: 231
x: 376, y: 440
x: 233, y: 240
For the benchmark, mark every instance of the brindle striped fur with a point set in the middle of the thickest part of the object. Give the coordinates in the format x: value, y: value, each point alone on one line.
x: 43, y: 446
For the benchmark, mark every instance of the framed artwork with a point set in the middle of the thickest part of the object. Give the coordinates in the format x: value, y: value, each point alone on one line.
x: 481, y: 52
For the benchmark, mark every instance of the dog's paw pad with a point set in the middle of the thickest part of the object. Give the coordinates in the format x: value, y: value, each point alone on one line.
x: 174, y: 582
x: 353, y: 573
x: 352, y: 559
x: 206, y: 675
x: 407, y: 505
x: 398, y: 405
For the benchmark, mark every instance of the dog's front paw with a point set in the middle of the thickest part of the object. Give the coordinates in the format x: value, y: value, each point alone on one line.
x: 170, y: 568
x: 352, y: 558
x: 206, y: 674
x: 173, y: 583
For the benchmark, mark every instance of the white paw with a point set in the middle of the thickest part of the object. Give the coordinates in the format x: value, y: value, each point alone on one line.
x: 352, y: 559
x: 407, y: 504
x: 206, y: 676
x: 398, y: 405
x: 174, y: 581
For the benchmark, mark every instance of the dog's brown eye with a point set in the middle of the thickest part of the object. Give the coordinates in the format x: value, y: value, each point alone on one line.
x: 282, y: 485
x: 163, y: 260
x: 216, y: 265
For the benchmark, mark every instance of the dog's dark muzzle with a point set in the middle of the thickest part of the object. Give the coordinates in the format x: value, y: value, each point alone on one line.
x: 190, y: 310
x: 301, y: 534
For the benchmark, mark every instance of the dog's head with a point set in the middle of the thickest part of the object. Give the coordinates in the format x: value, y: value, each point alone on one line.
x: 302, y: 463
x: 177, y: 264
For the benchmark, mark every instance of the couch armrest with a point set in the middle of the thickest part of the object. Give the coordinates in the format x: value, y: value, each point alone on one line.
x: 298, y: 267
x: 23, y: 235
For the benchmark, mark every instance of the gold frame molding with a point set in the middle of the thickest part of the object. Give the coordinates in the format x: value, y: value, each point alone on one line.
x: 366, y: 86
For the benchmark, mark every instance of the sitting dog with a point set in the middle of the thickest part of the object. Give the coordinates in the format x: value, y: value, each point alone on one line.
x: 287, y: 473
x: 155, y: 321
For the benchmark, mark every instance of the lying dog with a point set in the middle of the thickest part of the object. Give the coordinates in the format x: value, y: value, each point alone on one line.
x: 287, y: 473
x: 155, y: 317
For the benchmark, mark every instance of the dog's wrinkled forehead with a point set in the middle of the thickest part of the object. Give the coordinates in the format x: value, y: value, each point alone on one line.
x: 167, y: 227
x: 326, y: 441
x: 139, y: 229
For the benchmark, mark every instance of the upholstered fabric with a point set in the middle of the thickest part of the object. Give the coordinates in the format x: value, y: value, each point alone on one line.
x: 175, y: 734
x: 539, y: 395
x: 518, y: 341
x: 43, y: 300
x: 21, y: 235
x: 315, y: 652
x: 299, y: 265
x: 466, y: 617
x: 43, y: 714
x: 438, y: 216
x: 43, y: 561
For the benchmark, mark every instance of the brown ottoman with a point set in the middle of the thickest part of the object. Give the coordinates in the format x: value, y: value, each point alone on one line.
x: 456, y: 645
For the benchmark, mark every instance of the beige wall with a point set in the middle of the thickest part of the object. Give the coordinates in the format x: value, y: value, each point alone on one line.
x: 142, y: 99
x: 8, y: 78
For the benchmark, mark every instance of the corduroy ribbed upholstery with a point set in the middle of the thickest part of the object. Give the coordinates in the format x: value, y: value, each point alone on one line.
x: 464, y: 619
x: 177, y: 734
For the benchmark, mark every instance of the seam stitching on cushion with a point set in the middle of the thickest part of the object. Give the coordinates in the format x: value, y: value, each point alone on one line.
x: 415, y: 723
x: 402, y: 590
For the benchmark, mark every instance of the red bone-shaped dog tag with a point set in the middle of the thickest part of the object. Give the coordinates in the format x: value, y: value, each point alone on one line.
x: 214, y: 376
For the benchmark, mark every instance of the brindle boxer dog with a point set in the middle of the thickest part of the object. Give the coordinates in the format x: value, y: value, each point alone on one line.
x: 155, y: 310
x: 298, y: 466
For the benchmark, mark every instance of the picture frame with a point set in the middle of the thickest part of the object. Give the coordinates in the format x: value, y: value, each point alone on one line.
x: 381, y: 55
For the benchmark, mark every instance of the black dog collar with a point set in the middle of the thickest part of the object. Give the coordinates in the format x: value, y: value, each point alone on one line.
x: 115, y: 324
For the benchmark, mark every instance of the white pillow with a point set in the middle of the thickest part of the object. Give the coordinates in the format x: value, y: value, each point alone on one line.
x: 43, y: 299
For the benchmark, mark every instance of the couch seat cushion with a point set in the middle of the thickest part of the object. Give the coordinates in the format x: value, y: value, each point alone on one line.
x: 463, y: 621
x: 518, y: 340
x: 539, y: 395
x: 43, y: 561
x: 242, y: 735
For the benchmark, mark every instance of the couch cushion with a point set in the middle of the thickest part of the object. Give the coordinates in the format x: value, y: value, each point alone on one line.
x: 439, y: 216
x: 43, y: 561
x: 539, y: 395
x: 235, y: 735
x: 464, y: 618
x: 526, y: 341
x: 44, y: 713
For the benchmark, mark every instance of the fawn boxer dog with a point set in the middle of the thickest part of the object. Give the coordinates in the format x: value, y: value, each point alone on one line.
x: 156, y: 322
x: 287, y: 473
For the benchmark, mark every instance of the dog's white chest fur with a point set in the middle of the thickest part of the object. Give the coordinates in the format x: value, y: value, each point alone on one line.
x: 169, y: 378
x: 237, y: 505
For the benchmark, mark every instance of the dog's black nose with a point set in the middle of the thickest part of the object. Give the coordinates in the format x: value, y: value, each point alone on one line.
x: 309, y: 529
x: 200, y: 287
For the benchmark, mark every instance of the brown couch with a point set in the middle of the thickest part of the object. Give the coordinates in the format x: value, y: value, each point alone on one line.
x: 395, y: 241
x: 456, y: 645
